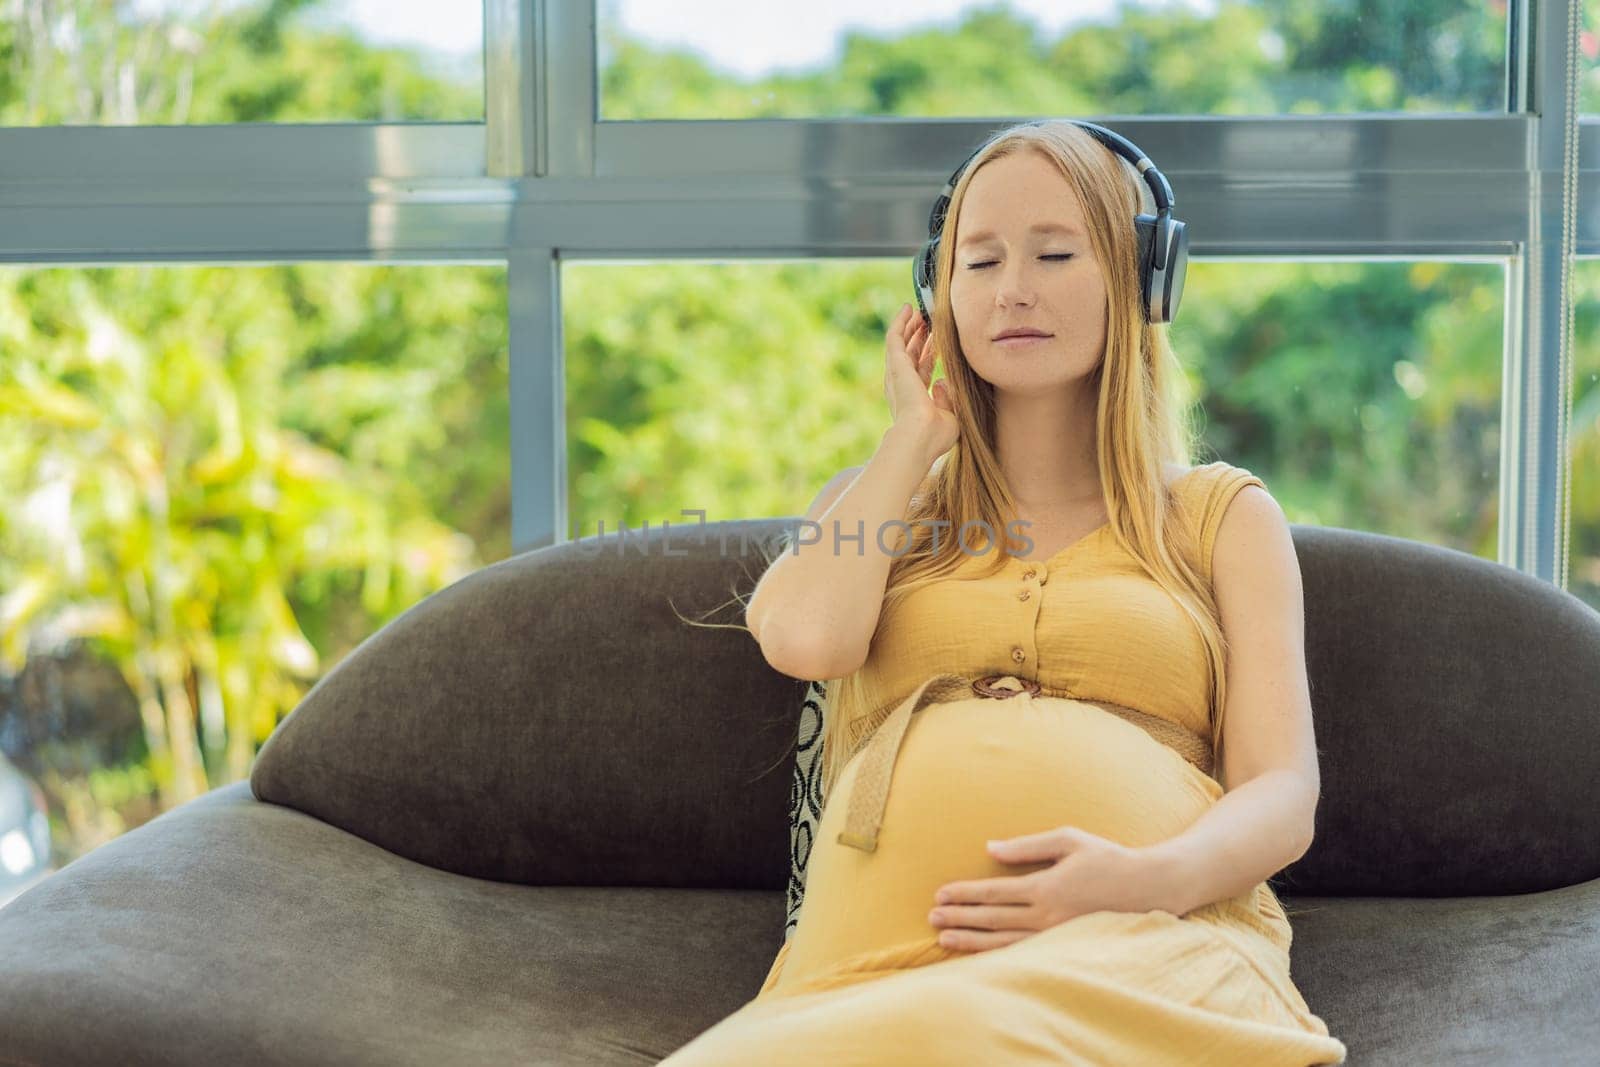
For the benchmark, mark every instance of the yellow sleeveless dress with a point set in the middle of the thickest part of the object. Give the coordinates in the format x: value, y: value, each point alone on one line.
x: 863, y: 979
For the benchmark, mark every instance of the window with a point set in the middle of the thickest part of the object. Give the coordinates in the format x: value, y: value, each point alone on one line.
x: 1589, y: 59
x: 1583, y: 561
x: 175, y: 63
x: 715, y: 59
x: 1366, y: 394
x: 226, y: 478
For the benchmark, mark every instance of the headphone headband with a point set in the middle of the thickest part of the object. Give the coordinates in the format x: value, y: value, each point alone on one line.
x: 1163, y: 241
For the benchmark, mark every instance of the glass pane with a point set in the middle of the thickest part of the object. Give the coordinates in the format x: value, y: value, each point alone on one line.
x: 717, y: 59
x: 1583, y: 560
x: 215, y: 62
x: 220, y: 481
x: 1366, y: 395
x: 1589, y: 59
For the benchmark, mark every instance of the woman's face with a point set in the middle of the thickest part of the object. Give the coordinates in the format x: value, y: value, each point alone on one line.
x: 1009, y: 275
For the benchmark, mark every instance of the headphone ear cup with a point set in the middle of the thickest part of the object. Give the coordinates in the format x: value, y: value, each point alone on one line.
x: 1163, y: 261
x: 1177, y: 266
x: 922, y: 278
x: 1144, y: 229
x: 940, y: 207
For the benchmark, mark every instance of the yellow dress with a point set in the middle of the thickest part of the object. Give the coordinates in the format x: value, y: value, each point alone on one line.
x: 863, y: 979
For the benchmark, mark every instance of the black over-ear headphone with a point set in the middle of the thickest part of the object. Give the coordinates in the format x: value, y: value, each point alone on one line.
x: 1163, y: 240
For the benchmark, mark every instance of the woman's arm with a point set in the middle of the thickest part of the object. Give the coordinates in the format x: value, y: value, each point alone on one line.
x: 1265, y: 821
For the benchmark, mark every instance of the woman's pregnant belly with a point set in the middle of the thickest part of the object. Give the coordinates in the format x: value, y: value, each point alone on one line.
x: 973, y: 770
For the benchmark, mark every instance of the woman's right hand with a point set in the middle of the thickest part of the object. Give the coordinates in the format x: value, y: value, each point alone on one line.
x: 908, y: 370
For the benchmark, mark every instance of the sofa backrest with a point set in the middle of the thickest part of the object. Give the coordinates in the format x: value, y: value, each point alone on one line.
x: 1457, y: 710
x: 551, y: 720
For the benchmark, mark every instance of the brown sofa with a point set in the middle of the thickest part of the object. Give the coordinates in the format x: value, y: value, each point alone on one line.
x: 539, y: 819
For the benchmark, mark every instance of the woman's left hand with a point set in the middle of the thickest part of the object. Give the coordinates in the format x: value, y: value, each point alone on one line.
x: 1087, y: 873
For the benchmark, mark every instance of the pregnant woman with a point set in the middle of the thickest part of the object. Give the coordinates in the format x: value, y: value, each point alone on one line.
x: 1069, y: 735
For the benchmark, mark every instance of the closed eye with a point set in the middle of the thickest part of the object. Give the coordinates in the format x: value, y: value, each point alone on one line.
x: 990, y: 262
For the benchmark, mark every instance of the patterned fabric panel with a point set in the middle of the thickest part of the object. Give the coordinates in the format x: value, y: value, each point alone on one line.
x: 805, y: 798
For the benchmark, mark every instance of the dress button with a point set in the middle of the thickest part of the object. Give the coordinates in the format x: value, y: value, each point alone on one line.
x: 1023, y: 594
x: 1017, y: 655
x: 1029, y: 573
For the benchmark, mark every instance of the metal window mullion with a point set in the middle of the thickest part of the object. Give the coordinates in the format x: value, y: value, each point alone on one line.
x: 551, y: 116
x: 1533, y: 472
x: 538, y: 400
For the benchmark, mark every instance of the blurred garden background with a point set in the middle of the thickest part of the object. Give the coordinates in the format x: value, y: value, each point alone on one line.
x: 220, y: 479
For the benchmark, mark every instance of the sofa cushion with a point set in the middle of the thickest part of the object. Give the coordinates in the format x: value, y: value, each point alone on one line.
x: 553, y: 719
x: 230, y: 931
x: 233, y: 931
x: 1490, y: 980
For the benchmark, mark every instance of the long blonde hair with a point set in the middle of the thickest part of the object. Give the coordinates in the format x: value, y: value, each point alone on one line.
x: 1143, y: 422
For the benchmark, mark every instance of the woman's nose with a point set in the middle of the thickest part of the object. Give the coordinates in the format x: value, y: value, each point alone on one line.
x: 1012, y: 289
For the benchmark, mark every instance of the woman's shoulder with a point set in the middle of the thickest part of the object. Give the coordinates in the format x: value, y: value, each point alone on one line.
x: 1179, y: 475
x: 1197, y: 488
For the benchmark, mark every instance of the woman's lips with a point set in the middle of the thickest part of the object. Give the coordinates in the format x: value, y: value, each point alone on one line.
x: 1019, y: 342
